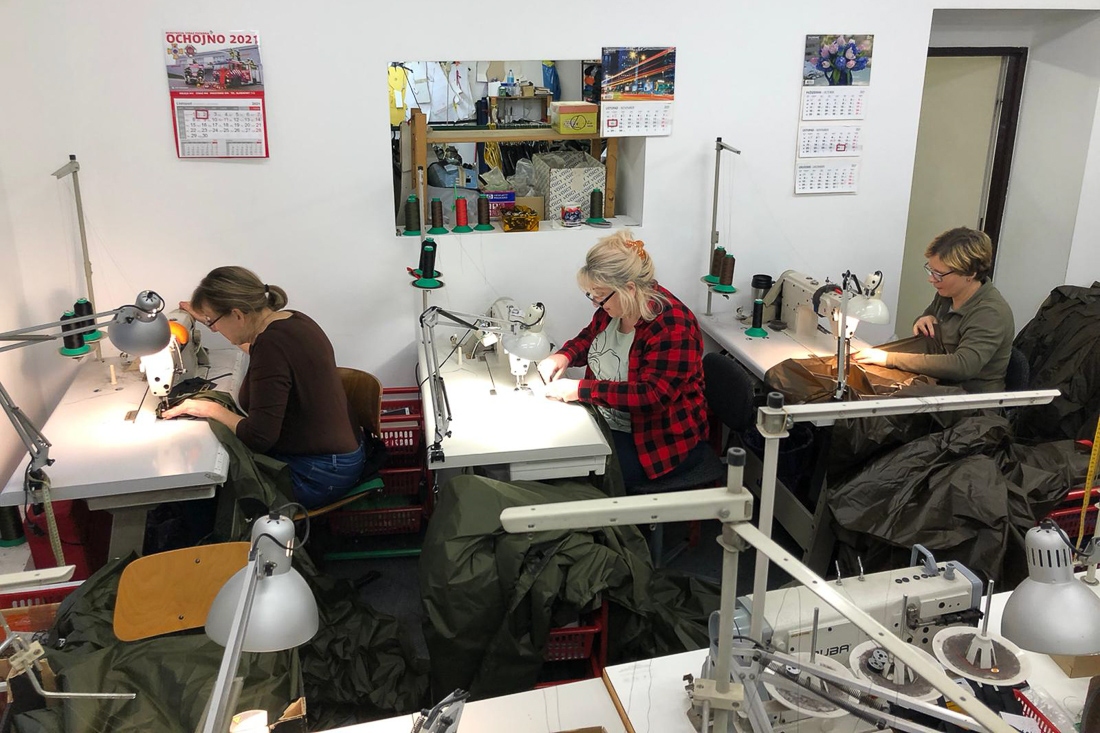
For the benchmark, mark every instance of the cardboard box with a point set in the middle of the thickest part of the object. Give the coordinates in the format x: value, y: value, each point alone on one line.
x: 567, y: 179
x: 527, y: 90
x: 1075, y: 667
x: 534, y: 202
x: 574, y: 118
x: 497, y: 199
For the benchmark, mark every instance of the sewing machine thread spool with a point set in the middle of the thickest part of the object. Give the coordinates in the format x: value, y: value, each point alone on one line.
x: 428, y: 279
x: 757, y: 319
x: 595, y: 207
x: 462, y: 222
x: 437, y: 218
x: 72, y: 343
x: 717, y: 257
x: 82, y: 308
x: 483, y: 224
x: 761, y: 284
x: 725, y: 278
x: 412, y: 217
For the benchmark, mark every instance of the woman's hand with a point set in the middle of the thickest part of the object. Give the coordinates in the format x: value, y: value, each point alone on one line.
x: 194, y: 408
x: 563, y: 390
x: 924, y: 326
x: 185, y: 306
x: 871, y: 356
x: 553, y: 366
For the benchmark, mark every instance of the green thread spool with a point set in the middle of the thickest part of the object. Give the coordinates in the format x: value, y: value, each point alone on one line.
x: 427, y: 265
x: 72, y: 343
x: 84, y: 308
x: 483, y: 224
x: 716, y: 259
x: 725, y: 279
x: 595, y: 207
x: 757, y: 320
x: 462, y: 224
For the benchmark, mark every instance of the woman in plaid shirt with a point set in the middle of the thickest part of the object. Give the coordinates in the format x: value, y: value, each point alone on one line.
x: 643, y: 352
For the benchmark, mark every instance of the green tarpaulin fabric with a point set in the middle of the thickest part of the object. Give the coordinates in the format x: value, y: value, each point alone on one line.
x: 490, y: 598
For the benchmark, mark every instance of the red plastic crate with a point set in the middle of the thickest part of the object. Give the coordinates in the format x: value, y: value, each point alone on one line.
x: 1068, y: 515
x: 403, y: 433
x: 1030, y: 711
x: 38, y: 596
x: 577, y: 642
x: 398, y: 520
x: 401, y: 481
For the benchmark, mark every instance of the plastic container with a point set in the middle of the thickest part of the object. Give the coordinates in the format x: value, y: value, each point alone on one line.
x: 402, y: 481
x: 402, y: 427
x: 398, y: 520
x: 1030, y: 711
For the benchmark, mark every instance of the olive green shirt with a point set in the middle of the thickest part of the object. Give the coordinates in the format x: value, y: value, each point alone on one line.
x: 977, y: 339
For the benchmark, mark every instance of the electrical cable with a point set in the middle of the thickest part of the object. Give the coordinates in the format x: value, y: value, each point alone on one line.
x: 449, y: 355
x: 305, y: 513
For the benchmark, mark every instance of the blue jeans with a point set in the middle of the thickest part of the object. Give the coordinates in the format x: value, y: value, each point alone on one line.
x: 322, y: 479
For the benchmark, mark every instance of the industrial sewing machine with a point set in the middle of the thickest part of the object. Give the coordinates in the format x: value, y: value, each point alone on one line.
x: 800, y: 300
x: 176, y: 362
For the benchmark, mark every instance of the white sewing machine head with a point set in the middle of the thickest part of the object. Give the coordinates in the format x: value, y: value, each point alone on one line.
x: 524, y: 341
x: 178, y: 360
x: 805, y: 299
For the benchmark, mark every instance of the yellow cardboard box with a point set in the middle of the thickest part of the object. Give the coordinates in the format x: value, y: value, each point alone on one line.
x: 574, y: 118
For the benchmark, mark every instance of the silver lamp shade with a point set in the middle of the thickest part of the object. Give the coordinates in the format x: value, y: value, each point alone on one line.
x: 868, y: 310
x: 284, y: 611
x: 530, y: 345
x: 1052, y: 612
x: 141, y: 329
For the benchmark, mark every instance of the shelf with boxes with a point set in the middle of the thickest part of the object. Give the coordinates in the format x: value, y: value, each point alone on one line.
x: 405, y: 500
x: 576, y: 127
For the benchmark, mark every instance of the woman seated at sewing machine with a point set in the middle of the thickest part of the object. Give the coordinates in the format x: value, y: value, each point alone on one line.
x: 968, y: 318
x: 297, y: 410
x: 643, y: 351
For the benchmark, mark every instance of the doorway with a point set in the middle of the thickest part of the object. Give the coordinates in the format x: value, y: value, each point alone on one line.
x: 968, y: 118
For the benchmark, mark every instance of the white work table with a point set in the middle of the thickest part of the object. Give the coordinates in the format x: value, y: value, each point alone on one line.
x: 549, y: 710
x: 492, y: 423
x: 111, y: 450
x: 654, y: 699
x: 759, y: 354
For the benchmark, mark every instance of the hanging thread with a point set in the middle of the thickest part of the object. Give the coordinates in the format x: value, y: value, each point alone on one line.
x: 412, y: 216
x: 72, y: 343
x: 483, y: 214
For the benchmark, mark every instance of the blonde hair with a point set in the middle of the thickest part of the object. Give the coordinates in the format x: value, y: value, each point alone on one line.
x: 964, y: 250
x: 618, y: 260
x: 226, y: 288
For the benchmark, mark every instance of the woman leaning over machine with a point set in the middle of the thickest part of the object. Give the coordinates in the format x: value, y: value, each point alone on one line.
x: 643, y: 352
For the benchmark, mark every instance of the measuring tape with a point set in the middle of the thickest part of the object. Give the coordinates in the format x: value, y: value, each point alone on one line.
x: 1094, y: 458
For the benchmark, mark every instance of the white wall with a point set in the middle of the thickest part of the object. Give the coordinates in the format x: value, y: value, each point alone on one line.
x: 1056, y: 123
x: 1084, y: 256
x: 317, y: 218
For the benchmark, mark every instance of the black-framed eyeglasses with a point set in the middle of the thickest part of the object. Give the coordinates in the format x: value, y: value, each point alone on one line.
x: 599, y: 303
x: 210, y: 324
x: 937, y: 276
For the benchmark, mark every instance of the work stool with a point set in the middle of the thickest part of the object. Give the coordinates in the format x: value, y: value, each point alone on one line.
x: 706, y: 474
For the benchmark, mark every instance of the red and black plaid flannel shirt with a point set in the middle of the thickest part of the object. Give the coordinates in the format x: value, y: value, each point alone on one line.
x: 664, y: 389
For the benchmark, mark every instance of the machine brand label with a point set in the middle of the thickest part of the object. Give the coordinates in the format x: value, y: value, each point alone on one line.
x: 835, y: 651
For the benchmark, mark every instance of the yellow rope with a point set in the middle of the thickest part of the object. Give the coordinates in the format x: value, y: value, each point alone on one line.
x: 1090, y: 477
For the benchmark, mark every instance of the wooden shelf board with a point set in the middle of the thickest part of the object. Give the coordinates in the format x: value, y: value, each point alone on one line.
x: 501, y: 135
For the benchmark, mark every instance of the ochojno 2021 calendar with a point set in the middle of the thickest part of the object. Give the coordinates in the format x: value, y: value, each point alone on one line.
x: 216, y: 86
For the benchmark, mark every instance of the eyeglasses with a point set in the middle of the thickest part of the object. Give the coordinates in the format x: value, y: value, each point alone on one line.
x: 937, y: 276
x: 210, y: 324
x: 599, y: 303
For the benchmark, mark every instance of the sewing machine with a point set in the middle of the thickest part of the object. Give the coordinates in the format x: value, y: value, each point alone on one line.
x: 520, y: 349
x: 179, y: 360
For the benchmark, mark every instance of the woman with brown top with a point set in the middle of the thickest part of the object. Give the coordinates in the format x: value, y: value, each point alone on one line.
x: 967, y: 316
x: 295, y: 405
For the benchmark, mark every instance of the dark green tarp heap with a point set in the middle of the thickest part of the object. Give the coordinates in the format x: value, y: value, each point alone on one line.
x: 358, y: 666
x: 490, y: 598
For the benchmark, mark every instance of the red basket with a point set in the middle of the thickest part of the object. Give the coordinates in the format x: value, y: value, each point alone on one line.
x: 402, y: 433
x: 1068, y: 516
x: 401, y: 481
x: 38, y: 596
x: 572, y: 643
x: 1030, y: 711
x: 399, y: 520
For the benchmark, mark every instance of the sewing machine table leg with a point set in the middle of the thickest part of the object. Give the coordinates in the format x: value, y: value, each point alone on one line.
x: 127, y: 530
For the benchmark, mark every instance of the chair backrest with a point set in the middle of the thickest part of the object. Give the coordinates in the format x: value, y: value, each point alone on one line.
x: 729, y: 391
x: 1018, y: 372
x: 364, y: 392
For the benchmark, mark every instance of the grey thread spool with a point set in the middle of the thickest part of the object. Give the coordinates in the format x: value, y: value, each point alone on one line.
x: 726, y: 278
x: 412, y: 214
x: 595, y: 206
x: 716, y: 259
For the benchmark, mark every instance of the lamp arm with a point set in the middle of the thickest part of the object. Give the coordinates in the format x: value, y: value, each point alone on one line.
x: 26, y: 337
x: 32, y: 438
x: 219, y: 712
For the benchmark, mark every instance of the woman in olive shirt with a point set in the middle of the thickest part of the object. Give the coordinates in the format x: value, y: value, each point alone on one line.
x: 297, y: 410
x: 967, y: 316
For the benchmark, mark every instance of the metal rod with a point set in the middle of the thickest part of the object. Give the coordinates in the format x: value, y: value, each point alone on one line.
x: 714, y: 209
x: 19, y: 332
x: 870, y: 715
x: 767, y: 504
x: 1090, y: 575
x: 988, y: 604
x: 84, y: 243
x: 827, y: 411
x: 813, y: 637
x: 217, y: 720
x: 710, y: 294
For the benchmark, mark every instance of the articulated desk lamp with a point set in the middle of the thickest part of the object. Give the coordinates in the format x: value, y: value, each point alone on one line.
x: 265, y: 607
x: 520, y: 335
x: 139, y: 329
x: 846, y: 305
x: 731, y: 687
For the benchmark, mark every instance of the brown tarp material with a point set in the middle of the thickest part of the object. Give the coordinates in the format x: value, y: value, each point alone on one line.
x: 1062, y: 345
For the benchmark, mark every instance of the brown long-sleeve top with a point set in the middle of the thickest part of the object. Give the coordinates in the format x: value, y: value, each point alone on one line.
x: 295, y: 402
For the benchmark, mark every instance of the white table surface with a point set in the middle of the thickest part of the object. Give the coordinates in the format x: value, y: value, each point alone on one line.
x: 759, y: 354
x: 99, y: 453
x: 653, y: 696
x: 538, y: 437
x: 549, y: 710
